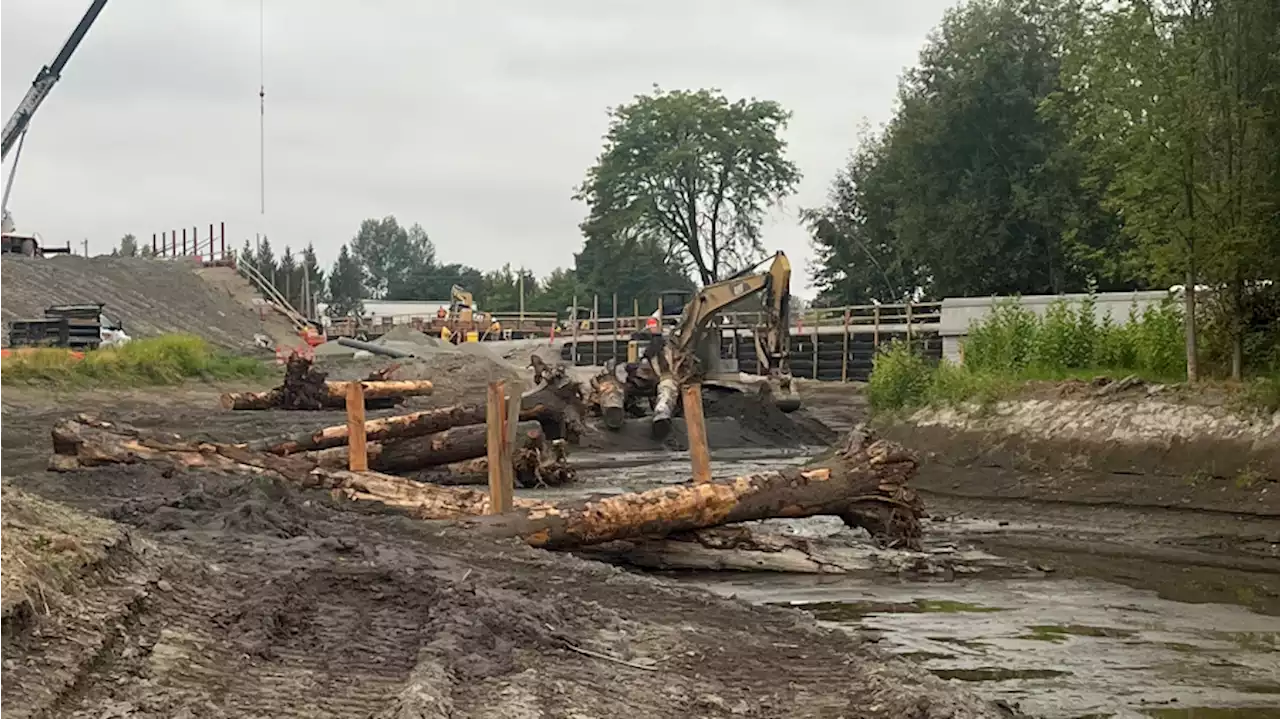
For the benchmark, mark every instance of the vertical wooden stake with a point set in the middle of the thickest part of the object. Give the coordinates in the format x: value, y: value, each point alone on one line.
x: 495, y: 418
x: 844, y: 353
x: 510, y: 422
x: 358, y: 450
x: 699, y: 452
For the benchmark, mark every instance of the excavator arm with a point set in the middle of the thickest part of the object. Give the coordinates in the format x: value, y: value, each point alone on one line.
x: 774, y: 283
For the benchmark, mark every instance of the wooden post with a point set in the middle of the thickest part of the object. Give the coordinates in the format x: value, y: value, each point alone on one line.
x: 357, y: 455
x: 699, y: 452
x: 844, y: 355
x: 908, y: 323
x: 875, y: 333
x: 613, y: 344
x: 497, y: 450
x: 595, y: 330
x: 573, y: 358
x: 816, y: 321
x: 635, y: 310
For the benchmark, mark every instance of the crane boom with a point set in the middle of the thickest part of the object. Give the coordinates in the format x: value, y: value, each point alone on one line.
x: 46, y: 79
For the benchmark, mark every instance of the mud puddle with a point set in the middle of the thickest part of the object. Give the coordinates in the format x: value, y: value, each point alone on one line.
x: 1054, y: 648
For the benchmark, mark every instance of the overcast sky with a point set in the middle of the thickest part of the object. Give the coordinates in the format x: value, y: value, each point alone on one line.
x: 475, y: 119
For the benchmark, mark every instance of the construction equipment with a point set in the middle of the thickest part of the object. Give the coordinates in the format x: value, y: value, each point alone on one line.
x: 79, y: 327
x: 691, y: 351
x: 15, y: 131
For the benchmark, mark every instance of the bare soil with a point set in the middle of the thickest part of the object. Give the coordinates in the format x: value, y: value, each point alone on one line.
x: 150, y: 297
x: 240, y: 596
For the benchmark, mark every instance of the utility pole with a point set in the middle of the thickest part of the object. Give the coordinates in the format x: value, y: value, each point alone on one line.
x: 520, y: 282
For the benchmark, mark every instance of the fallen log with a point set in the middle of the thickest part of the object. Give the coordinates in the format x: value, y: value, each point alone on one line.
x: 405, y: 455
x: 415, y: 424
x: 738, y: 548
x: 333, y: 396
x: 537, y: 463
x: 608, y: 397
x: 561, y: 398
x: 864, y: 484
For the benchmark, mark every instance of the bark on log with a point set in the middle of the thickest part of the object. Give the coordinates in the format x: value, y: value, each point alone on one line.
x: 561, y: 398
x: 608, y: 397
x: 406, y: 455
x: 864, y: 483
x: 738, y: 548
x: 537, y: 463
x: 375, y: 393
x: 415, y: 424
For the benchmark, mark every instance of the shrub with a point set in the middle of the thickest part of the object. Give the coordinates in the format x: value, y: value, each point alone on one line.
x: 168, y: 359
x: 1003, y: 340
x: 900, y: 378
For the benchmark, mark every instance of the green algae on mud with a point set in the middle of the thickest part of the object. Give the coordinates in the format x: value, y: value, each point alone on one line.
x: 853, y: 611
x: 1060, y: 632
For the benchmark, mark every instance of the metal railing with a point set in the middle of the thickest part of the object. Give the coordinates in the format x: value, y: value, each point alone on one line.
x: 273, y: 296
x: 210, y: 249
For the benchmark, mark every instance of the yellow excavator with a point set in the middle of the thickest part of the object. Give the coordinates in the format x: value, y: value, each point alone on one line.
x: 692, y: 350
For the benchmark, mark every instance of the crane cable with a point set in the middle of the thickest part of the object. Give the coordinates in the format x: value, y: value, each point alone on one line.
x: 262, y: 111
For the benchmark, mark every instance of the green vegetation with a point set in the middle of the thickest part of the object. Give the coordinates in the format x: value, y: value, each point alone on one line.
x: 169, y: 359
x: 1013, y: 345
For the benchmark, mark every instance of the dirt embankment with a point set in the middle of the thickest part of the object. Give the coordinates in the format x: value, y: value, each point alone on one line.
x: 1136, y: 450
x: 150, y: 297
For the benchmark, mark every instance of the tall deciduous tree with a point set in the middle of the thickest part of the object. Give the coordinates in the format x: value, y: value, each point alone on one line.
x: 970, y: 189
x: 390, y: 257
x: 346, y: 288
x: 695, y: 170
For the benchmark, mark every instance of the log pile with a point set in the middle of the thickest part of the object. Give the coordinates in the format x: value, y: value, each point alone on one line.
x: 864, y: 483
x: 307, y: 388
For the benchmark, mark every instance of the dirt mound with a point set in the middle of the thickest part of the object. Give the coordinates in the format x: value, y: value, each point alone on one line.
x: 458, y: 374
x: 150, y: 297
x: 761, y: 416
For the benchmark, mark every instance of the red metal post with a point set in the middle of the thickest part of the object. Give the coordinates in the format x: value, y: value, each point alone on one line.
x: 212, y: 256
x: 173, y: 240
x: 184, y: 240
x: 222, y: 235
x: 153, y: 243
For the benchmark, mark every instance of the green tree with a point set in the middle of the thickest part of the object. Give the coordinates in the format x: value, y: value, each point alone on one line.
x: 558, y: 290
x: 695, y: 171
x: 391, y: 257
x: 128, y: 246
x: 289, y: 278
x: 987, y: 189
x: 346, y: 287
x: 859, y: 256
x: 311, y: 267
x: 265, y: 261
x: 630, y: 261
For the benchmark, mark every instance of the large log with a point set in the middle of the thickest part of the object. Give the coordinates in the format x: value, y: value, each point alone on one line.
x: 537, y: 463
x: 414, y: 424
x: 405, y: 455
x: 335, y: 395
x: 864, y: 483
x: 738, y: 548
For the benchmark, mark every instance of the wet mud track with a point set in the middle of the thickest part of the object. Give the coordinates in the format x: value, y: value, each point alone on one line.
x: 242, y: 596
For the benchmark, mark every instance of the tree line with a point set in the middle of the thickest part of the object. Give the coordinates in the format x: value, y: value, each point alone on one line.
x: 1037, y: 147
x: 1046, y: 146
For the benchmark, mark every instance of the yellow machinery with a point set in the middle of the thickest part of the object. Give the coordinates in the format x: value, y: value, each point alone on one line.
x: 691, y: 353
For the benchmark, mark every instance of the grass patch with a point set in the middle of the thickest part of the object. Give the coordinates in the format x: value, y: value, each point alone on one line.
x: 164, y: 360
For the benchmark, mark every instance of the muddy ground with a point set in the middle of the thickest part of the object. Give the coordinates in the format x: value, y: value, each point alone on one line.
x: 239, y: 596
